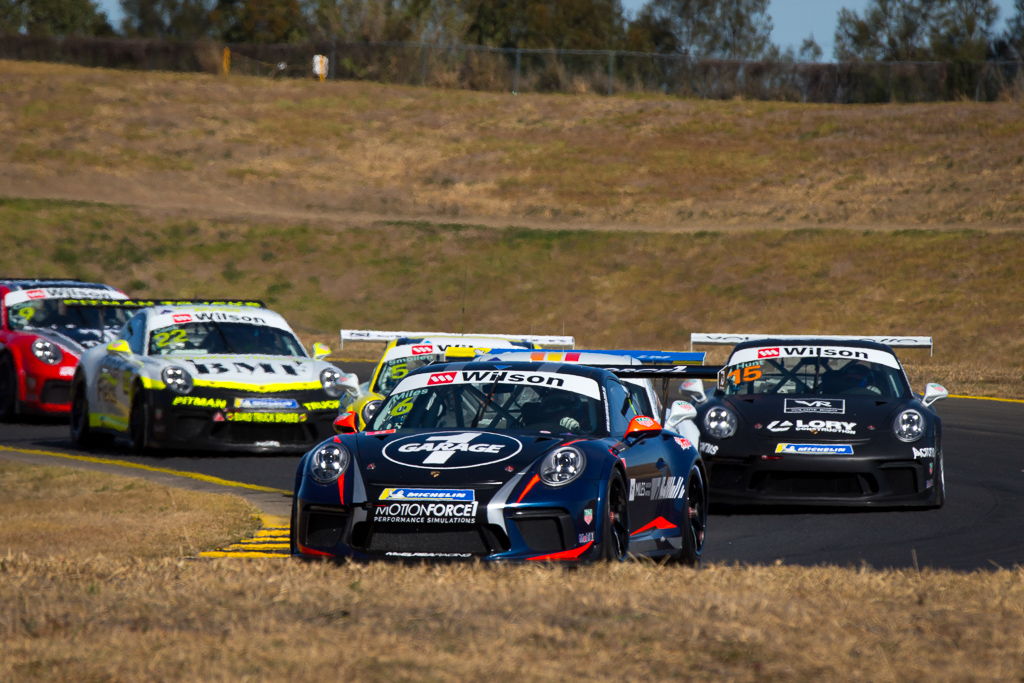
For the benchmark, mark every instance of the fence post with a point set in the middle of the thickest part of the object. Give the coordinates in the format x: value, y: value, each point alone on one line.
x: 225, y: 61
x: 611, y: 72
x: 515, y: 76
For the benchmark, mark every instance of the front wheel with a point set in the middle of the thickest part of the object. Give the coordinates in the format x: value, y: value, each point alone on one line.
x: 939, y: 476
x: 615, y: 524
x: 82, y: 435
x: 138, y: 423
x: 8, y: 389
x: 696, y: 522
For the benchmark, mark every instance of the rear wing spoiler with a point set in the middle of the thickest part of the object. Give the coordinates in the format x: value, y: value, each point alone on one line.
x: 645, y: 357
x: 666, y: 371
x: 148, y: 303
x: 732, y: 339
x: 391, y: 335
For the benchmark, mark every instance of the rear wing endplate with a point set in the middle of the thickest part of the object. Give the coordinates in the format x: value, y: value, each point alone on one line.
x: 391, y: 335
x: 889, y: 340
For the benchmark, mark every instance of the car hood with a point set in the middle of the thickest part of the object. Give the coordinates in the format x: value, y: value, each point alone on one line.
x: 847, y: 417
x: 448, y: 457
x: 255, y: 370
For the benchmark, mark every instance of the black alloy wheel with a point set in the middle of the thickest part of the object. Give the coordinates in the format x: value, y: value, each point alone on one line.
x: 615, y: 527
x: 696, y: 519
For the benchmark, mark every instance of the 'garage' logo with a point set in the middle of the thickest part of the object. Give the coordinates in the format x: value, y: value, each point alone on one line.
x: 768, y: 353
x: 182, y: 318
x: 441, y: 378
x: 420, y: 350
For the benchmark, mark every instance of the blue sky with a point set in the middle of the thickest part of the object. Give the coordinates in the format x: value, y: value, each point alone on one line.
x: 793, y: 20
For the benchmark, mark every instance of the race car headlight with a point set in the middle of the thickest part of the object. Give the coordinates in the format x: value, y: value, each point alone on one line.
x: 177, y: 379
x: 909, y: 426
x: 329, y: 462
x: 369, y: 410
x: 330, y: 378
x: 720, y: 422
x: 562, y: 466
x: 47, y: 351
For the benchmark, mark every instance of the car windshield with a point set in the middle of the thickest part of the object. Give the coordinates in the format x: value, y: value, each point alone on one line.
x: 223, y: 337
x: 494, y: 405
x: 56, y: 315
x: 813, y: 377
x: 395, y: 369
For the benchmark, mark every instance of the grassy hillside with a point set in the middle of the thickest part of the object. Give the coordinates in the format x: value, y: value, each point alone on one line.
x: 251, y: 145
x: 645, y: 289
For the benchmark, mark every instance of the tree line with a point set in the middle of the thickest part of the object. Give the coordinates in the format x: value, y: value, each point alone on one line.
x: 887, y: 30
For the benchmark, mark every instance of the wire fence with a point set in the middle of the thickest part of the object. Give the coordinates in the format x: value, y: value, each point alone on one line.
x: 566, y: 71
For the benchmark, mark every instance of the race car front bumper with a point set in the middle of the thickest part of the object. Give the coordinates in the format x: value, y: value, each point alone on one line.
x: 209, y: 422
x: 884, y: 480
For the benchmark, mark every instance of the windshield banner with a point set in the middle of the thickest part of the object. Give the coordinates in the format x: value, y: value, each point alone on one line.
x: 574, y: 383
x: 23, y: 295
x: 816, y: 351
x: 172, y: 317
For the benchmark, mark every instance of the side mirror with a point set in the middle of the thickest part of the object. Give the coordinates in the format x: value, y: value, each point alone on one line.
x: 642, y: 426
x: 321, y: 351
x: 934, y: 392
x: 351, y: 384
x: 119, y: 346
x: 679, y: 412
x: 345, y: 423
x: 693, y: 390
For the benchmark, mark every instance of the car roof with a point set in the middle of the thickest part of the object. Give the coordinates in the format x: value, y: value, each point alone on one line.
x: 15, y: 284
x: 590, y: 371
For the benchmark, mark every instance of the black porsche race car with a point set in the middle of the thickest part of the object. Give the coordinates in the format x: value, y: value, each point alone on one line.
x: 504, y: 460
x: 820, y: 421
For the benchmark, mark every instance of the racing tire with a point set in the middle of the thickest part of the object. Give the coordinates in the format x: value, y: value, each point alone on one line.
x: 696, y: 523
x: 139, y: 423
x: 939, y: 498
x: 8, y: 389
x: 293, y: 527
x: 82, y: 435
x: 615, y: 524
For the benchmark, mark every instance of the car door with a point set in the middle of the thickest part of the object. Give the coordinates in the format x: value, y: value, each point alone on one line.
x: 643, y: 457
x: 117, y: 371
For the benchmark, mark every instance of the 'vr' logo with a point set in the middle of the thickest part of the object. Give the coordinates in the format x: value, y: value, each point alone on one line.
x: 420, y: 350
x: 441, y: 378
x: 768, y: 353
x: 182, y: 318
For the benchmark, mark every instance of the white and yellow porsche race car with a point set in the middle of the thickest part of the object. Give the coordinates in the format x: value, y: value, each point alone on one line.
x: 406, y: 351
x: 224, y: 375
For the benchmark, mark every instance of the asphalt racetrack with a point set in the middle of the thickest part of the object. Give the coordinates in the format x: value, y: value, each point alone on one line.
x: 980, y: 527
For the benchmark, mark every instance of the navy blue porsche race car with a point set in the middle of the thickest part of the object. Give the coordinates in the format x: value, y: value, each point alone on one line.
x: 505, y: 461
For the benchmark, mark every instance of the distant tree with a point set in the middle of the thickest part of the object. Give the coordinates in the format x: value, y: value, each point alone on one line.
x: 53, y: 18
x: 1014, y: 35
x: 810, y: 51
x: 745, y: 29
x: 731, y: 29
x: 177, y: 19
x: 259, y: 21
x: 564, y: 24
x: 908, y: 30
x: 890, y: 30
x: 962, y: 30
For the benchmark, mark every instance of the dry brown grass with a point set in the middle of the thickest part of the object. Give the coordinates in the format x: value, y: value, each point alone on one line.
x: 109, y: 619
x: 206, y: 143
x: 68, y: 514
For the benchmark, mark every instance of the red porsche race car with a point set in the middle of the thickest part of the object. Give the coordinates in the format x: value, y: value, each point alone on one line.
x: 43, y: 332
